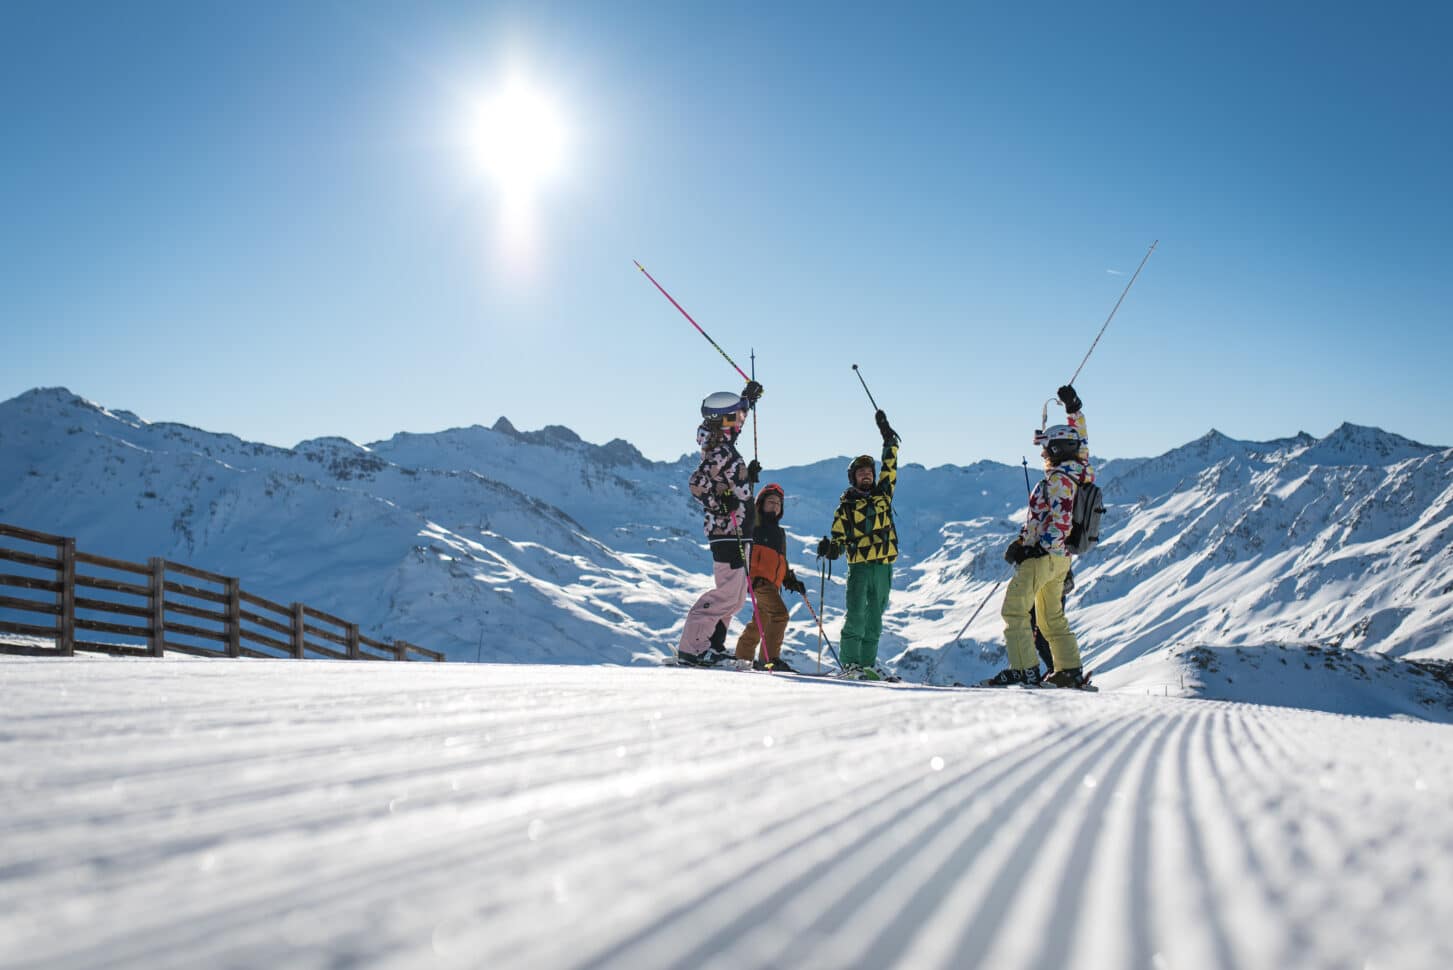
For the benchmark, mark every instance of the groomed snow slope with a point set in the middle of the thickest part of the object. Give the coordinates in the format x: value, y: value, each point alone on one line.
x: 195, y: 813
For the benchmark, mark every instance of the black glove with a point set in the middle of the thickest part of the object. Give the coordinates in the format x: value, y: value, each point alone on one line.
x: 752, y: 392
x: 794, y: 585
x: 730, y: 502
x: 827, y: 549
x: 1018, y: 552
x: 884, y: 428
x: 1070, y: 399
x: 754, y: 471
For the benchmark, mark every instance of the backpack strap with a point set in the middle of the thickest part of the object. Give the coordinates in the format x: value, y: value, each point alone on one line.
x: 1074, y: 481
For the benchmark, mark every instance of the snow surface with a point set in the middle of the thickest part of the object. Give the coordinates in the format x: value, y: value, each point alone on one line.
x: 230, y: 814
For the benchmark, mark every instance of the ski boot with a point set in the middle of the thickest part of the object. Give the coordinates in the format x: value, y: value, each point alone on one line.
x: 1071, y: 677
x: 1009, y: 677
x: 685, y: 659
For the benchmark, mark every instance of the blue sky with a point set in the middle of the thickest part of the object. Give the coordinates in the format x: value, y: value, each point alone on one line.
x: 263, y: 218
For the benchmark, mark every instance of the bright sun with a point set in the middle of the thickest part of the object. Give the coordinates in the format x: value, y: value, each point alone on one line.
x: 519, y: 139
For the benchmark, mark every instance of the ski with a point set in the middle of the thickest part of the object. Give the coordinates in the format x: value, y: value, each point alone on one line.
x: 707, y: 664
x: 727, y: 663
x: 799, y: 673
x: 1087, y: 686
x: 794, y: 672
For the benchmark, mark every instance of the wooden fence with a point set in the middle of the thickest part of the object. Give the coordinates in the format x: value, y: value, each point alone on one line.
x: 157, y: 606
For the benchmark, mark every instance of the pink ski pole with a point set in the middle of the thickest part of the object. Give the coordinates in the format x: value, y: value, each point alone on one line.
x: 693, y: 322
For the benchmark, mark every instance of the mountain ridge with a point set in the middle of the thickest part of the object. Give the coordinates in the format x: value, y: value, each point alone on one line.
x: 517, y: 545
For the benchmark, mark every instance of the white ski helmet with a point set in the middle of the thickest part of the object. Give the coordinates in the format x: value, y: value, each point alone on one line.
x: 1061, y: 441
x: 722, y: 403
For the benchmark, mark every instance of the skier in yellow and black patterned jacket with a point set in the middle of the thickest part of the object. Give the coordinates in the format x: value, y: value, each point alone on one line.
x: 863, y: 526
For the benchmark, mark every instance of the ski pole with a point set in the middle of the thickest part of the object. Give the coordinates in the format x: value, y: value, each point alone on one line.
x: 1044, y: 411
x: 821, y: 633
x: 821, y: 598
x: 865, y: 388
x: 1112, y: 312
x: 754, y: 407
x: 1025, y: 462
x: 822, y: 605
x: 978, y: 611
x: 693, y: 322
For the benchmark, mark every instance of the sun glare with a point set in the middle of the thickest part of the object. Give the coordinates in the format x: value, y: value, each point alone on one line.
x: 519, y: 139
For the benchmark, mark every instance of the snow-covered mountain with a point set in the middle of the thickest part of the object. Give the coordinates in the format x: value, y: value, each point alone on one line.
x: 538, y: 546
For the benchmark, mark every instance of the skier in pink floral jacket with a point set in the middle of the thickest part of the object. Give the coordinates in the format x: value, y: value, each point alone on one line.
x: 722, y: 483
x: 1041, y: 560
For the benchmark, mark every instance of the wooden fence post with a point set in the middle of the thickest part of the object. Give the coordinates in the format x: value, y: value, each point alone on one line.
x: 234, y: 617
x: 156, y: 602
x: 66, y: 622
x: 354, y: 650
x: 299, y: 634
x: 401, y: 649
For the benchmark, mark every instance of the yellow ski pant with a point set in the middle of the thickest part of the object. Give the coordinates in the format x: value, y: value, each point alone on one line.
x: 1039, y: 583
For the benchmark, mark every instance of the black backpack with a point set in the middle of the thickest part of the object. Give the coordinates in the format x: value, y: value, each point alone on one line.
x: 1085, y: 519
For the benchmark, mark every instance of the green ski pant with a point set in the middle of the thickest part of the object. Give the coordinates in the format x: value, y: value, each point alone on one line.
x: 868, y: 587
x: 1039, y: 583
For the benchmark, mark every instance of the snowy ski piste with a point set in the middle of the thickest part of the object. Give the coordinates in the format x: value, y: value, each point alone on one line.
x: 309, y: 814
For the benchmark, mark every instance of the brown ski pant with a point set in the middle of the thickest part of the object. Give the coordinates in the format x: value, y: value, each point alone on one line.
x: 773, y: 614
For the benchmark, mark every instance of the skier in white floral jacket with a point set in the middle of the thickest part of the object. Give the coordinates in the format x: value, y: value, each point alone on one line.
x: 1041, y: 560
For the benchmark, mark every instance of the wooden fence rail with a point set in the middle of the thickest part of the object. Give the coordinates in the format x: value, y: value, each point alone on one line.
x: 161, y: 603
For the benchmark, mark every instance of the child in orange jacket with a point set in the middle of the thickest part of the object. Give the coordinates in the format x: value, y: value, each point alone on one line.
x: 769, y: 571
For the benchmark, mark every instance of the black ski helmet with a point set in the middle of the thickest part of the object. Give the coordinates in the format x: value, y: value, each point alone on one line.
x: 717, y: 406
x: 772, y: 488
x: 1061, y: 442
x: 862, y: 461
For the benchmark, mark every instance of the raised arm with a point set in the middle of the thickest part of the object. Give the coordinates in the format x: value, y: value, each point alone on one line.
x: 888, y: 471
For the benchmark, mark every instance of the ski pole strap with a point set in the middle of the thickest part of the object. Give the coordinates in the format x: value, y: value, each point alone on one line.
x: 1044, y: 410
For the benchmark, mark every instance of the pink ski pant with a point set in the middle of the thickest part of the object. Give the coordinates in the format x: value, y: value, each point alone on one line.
x: 716, y: 605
